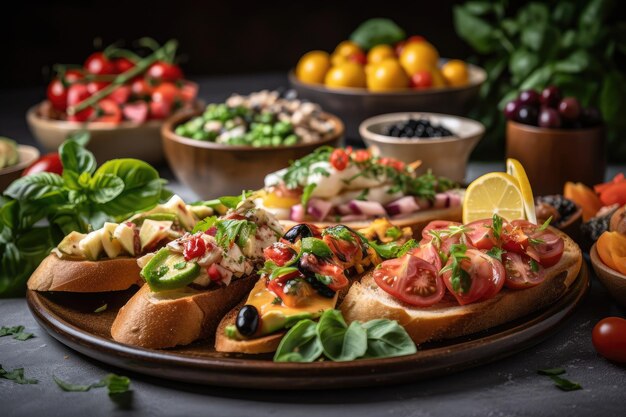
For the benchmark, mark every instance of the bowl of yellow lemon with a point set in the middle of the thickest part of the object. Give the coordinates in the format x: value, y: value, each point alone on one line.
x: 381, y: 70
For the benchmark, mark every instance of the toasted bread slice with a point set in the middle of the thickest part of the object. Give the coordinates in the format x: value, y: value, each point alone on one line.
x: 170, y: 318
x: 447, y: 319
x: 58, y: 274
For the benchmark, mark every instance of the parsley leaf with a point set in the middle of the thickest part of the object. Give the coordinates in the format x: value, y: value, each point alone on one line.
x: 299, y: 170
x: 545, y: 224
x: 115, y: 384
x: 17, y: 332
x: 204, y: 225
x: 496, y: 253
x: 460, y: 279
x: 393, y: 232
x: 393, y: 249
x: 239, y: 231
x: 306, y: 195
x: 17, y: 376
x: 496, y: 226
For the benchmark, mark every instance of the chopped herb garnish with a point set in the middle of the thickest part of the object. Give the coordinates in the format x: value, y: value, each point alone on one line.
x: 232, y: 202
x: 324, y: 279
x: 363, y: 194
x: 393, y: 249
x: 340, y: 232
x: 496, y: 253
x: 17, y: 376
x: 280, y: 271
x: 460, y: 279
x: 277, y: 301
x: 238, y: 231
x: 101, y: 308
x: 535, y: 241
x: 115, y: 384
x: 204, y: 225
x: 306, y: 195
x: 180, y: 265
x: 450, y: 231
x: 496, y: 226
x: 316, y: 246
x: 534, y: 266
x: 300, y: 169
x: 17, y: 332
x: 394, y: 232
x: 545, y: 224
x: 560, y: 382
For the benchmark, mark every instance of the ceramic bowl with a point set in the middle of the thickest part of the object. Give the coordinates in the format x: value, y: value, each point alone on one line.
x: 353, y: 105
x: 123, y: 140
x: 28, y: 155
x: 213, y: 169
x: 552, y: 157
x: 612, y: 280
x: 446, y: 156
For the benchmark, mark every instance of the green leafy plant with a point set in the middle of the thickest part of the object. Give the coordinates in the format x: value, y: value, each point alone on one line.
x: 36, y: 211
x: 331, y: 337
x: 578, y: 46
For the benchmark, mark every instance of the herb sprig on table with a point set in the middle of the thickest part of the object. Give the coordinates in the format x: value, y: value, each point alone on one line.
x: 36, y: 211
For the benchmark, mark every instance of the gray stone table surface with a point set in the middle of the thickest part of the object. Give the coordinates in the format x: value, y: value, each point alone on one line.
x: 508, y: 387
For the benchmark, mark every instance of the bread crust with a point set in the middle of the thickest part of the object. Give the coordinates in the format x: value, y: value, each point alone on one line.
x: 171, y: 318
x: 446, y: 320
x: 84, y: 276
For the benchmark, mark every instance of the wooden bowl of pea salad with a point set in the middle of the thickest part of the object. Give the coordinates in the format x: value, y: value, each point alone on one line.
x: 231, y: 146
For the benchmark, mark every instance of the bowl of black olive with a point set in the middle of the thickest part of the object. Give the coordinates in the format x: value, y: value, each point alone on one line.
x: 441, y: 142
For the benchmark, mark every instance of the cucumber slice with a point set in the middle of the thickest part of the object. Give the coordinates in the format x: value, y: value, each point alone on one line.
x: 169, y: 271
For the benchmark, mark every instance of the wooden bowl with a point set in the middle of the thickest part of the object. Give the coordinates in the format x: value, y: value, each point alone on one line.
x: 213, y: 169
x: 28, y: 155
x: 446, y: 156
x: 612, y: 280
x: 553, y: 156
x: 108, y: 141
x: 353, y: 105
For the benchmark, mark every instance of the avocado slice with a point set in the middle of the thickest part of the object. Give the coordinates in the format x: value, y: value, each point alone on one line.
x: 169, y: 270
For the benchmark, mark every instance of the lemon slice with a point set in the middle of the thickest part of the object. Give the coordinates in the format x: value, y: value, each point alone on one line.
x: 495, y: 192
x: 515, y: 168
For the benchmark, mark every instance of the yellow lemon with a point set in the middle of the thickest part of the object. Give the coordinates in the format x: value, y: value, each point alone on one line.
x: 493, y: 193
x: 312, y: 67
x: 515, y: 169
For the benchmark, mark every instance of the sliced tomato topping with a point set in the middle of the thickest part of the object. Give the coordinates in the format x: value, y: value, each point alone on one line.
x: 483, y: 277
x: 522, y: 271
x: 544, y: 246
x: 481, y: 235
x: 411, y: 280
x: 324, y: 269
x: 429, y: 253
x: 514, y: 239
x: 289, y: 292
x: 435, y: 228
x: 279, y: 253
x: 194, y: 248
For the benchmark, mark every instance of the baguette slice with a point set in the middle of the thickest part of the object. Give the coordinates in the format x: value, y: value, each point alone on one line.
x: 447, y: 319
x: 170, y: 318
x: 58, y: 274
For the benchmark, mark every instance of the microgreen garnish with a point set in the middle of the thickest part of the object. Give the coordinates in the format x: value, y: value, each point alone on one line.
x: 181, y: 265
x: 496, y: 253
x: 324, y: 279
x: 496, y: 226
x: 460, y: 279
x: 545, y: 225
x: 300, y: 169
x: 560, y: 382
x: 535, y: 241
x: 277, y: 301
x: 316, y: 246
x: 393, y: 249
x: 363, y: 194
x: 340, y: 232
x: 238, y: 231
x: 450, y: 231
x: 393, y: 232
x: 534, y: 266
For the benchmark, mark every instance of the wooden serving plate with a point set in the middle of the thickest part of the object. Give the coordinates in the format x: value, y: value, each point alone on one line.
x: 70, y: 319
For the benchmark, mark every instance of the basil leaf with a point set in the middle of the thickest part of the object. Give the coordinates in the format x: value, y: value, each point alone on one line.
x: 316, y: 246
x: 36, y: 186
x: 17, y: 376
x: 565, y: 384
x: 496, y: 253
x: 76, y: 158
x: 230, y: 202
x: 340, y: 342
x: 116, y: 384
x: 474, y: 30
x: 9, y: 214
x: 105, y: 187
x: 300, y: 344
x: 551, y: 371
x: 204, y: 225
x: 142, y: 186
x: 386, y: 338
x: 377, y: 31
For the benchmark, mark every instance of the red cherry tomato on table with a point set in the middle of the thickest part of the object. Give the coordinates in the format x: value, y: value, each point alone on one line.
x: 108, y: 111
x: 609, y: 338
x: 279, y: 253
x: 429, y: 253
x: 411, y: 280
x: 48, y: 163
x: 97, y: 63
x: 485, y: 277
x: 339, y: 159
x: 164, y: 71
x: 421, y: 79
x: 522, y: 271
x: 75, y: 95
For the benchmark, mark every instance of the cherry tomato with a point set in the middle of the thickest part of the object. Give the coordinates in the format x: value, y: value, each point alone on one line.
x: 339, y: 159
x: 278, y: 285
x: 122, y: 65
x: 393, y: 163
x: 188, y: 91
x: 358, y: 57
x: 121, y: 94
x: 48, y: 163
x: 429, y: 253
x: 95, y: 86
x: 486, y: 277
x: 437, y: 226
x: 141, y: 88
x: 514, y: 239
x: 72, y: 75
x: 279, y: 253
x: 164, y: 71
x: 76, y: 94
x: 108, y: 111
x: 410, y: 279
x: 194, y: 248
x: 57, y: 94
x: 347, y: 252
x: 136, y: 111
x: 421, y: 79
x: 214, y: 273
x: 609, y: 338
x: 481, y: 234
x: 521, y: 272
x: 312, y: 263
x: 164, y: 99
x: 361, y: 155
x: 544, y: 246
x: 97, y: 63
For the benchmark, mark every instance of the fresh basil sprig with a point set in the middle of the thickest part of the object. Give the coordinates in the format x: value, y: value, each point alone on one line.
x: 36, y: 211
x: 331, y: 337
x: 393, y: 249
x: 17, y: 376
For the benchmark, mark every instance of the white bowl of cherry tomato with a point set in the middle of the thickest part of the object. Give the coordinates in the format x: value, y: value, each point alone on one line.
x: 120, y: 97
